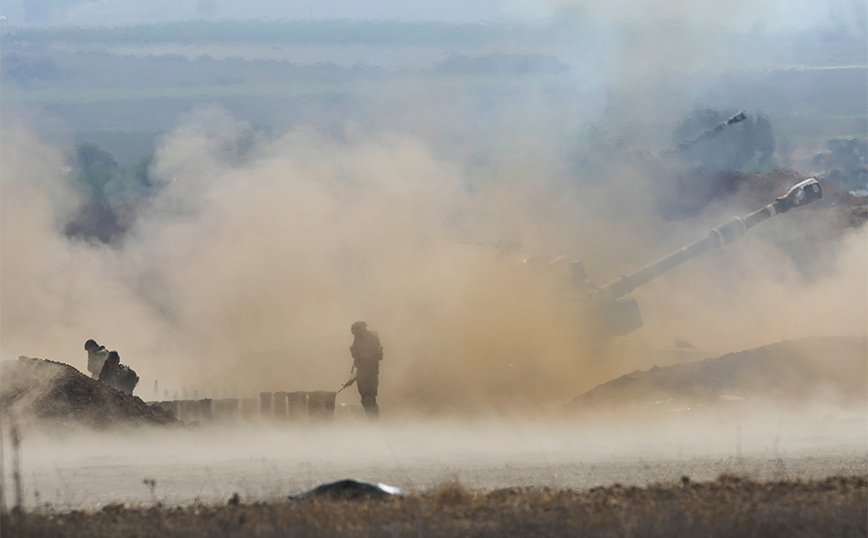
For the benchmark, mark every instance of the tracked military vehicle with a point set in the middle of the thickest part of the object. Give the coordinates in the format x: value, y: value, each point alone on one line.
x: 615, y: 312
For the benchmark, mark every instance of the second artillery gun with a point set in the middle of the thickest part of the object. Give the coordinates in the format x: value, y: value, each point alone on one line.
x: 612, y: 308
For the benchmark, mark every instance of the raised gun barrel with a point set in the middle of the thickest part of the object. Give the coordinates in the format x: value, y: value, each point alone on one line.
x: 708, y: 133
x: 619, y: 314
x: 705, y: 135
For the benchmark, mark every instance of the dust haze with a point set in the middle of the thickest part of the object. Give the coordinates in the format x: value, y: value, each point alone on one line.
x: 261, y: 247
x: 247, y: 270
x: 265, y: 464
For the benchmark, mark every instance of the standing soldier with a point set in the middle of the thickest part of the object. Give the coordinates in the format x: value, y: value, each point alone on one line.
x: 96, y: 356
x: 367, y: 354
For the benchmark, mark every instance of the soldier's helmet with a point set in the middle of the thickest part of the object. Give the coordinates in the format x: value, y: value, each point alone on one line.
x: 113, y: 358
x: 358, y: 327
x: 90, y: 344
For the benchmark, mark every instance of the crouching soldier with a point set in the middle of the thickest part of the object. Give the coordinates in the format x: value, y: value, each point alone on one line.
x: 117, y: 375
x: 96, y: 356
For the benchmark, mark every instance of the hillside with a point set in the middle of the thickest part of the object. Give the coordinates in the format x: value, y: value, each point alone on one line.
x: 827, y: 369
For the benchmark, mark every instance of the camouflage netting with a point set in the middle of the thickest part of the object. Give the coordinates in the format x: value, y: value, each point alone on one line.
x: 793, y: 372
x: 37, y: 391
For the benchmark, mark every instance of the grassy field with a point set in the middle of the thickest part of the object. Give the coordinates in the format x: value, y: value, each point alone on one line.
x: 730, y: 506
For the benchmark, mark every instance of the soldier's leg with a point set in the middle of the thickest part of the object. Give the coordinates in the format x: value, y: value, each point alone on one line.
x: 369, y: 402
x: 367, y: 384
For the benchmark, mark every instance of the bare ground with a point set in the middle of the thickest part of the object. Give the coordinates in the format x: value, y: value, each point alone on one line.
x: 730, y: 506
x: 56, y: 394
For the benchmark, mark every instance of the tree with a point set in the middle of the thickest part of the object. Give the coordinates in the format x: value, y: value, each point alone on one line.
x: 96, y: 168
x: 741, y: 145
x: 111, y: 194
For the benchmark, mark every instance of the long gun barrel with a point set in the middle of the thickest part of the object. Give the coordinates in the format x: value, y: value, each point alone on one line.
x: 801, y: 194
x: 705, y: 135
x: 708, y: 133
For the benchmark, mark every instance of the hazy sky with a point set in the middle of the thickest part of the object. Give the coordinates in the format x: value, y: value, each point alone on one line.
x: 771, y: 15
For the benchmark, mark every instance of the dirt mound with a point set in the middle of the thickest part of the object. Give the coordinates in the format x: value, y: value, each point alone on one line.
x: 53, y: 393
x: 831, y: 369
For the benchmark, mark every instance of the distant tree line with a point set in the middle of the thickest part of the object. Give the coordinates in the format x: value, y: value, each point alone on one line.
x: 500, y: 64
x: 299, y: 32
x: 36, y: 70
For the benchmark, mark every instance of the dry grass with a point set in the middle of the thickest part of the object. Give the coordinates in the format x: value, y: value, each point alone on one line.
x: 731, y: 506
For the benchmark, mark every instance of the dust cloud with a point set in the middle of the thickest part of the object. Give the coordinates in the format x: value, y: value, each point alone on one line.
x: 265, y: 463
x: 246, y: 271
x: 764, y: 299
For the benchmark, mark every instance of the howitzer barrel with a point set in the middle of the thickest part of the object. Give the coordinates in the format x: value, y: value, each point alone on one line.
x: 708, y: 133
x: 802, y: 194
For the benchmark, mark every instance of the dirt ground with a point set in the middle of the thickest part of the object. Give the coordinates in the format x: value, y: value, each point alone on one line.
x: 729, y: 506
x: 263, y: 463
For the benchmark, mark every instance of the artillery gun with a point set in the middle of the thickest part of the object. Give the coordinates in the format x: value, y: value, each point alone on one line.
x: 614, y: 311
